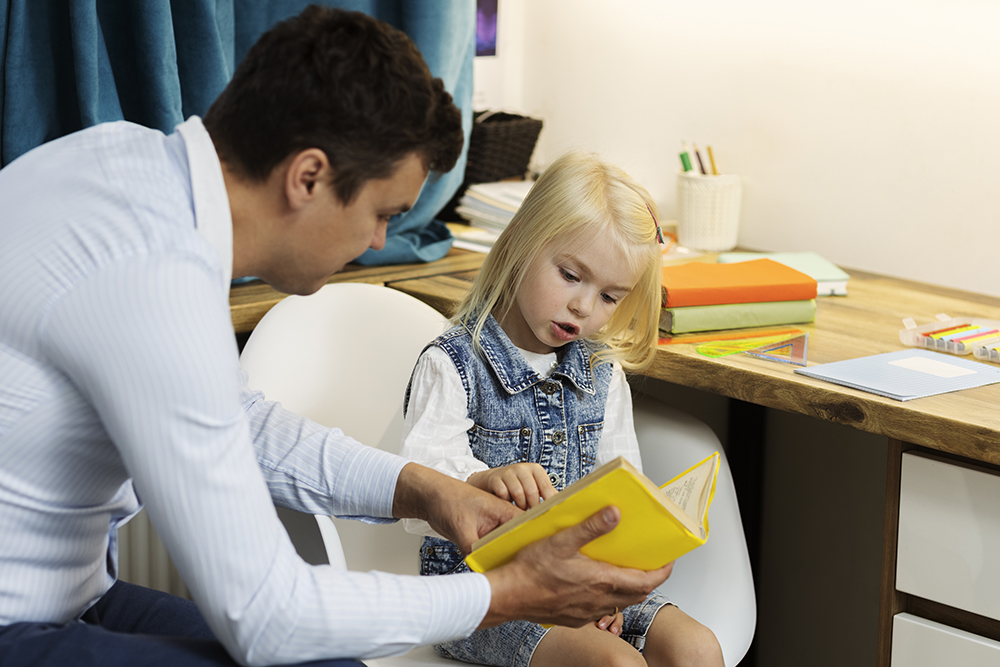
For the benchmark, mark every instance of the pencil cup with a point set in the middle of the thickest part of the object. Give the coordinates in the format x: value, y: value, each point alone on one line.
x: 708, y: 211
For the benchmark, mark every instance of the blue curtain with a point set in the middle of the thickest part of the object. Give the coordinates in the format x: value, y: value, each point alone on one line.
x: 70, y: 64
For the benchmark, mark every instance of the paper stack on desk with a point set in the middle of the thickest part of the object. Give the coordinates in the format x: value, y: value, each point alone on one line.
x: 699, y: 296
x: 906, y: 374
x: 488, y: 207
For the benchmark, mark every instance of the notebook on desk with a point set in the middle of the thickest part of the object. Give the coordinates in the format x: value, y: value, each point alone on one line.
x: 906, y: 374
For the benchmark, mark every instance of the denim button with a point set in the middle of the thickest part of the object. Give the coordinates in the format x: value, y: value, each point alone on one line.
x: 525, y: 432
x: 558, y: 437
x: 554, y: 478
x: 550, y: 388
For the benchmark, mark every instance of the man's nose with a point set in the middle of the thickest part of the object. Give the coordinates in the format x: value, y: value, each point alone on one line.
x: 378, y: 241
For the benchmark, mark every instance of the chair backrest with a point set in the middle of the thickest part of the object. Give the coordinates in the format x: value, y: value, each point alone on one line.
x: 343, y: 357
x: 713, y: 584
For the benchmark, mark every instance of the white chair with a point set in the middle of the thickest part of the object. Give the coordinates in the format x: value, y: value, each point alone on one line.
x: 713, y: 584
x: 342, y: 357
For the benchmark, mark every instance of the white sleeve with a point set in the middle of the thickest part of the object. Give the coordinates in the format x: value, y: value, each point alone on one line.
x: 436, y: 425
x: 149, y: 343
x: 618, y: 435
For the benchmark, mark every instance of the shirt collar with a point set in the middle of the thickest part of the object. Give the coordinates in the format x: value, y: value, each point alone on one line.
x: 514, y: 372
x: 208, y: 188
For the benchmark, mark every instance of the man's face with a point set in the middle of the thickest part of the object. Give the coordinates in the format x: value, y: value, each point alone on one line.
x: 329, y: 234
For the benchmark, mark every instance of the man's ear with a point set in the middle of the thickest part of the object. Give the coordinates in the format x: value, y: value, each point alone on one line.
x: 306, y: 169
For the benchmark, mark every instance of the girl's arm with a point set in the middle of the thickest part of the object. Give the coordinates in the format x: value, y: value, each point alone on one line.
x: 436, y: 424
x: 435, y: 434
x: 618, y: 437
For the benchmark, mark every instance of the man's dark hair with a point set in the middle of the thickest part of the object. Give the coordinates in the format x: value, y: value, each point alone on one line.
x: 343, y: 82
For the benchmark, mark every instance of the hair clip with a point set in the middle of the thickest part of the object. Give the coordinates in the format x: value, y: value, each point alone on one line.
x: 659, y: 234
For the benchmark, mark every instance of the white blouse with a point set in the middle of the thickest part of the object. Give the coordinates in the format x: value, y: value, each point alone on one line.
x: 435, y: 429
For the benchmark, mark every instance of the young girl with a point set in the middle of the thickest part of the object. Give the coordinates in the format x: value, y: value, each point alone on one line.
x: 527, y: 393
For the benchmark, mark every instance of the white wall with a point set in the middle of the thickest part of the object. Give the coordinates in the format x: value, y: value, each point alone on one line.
x: 864, y: 129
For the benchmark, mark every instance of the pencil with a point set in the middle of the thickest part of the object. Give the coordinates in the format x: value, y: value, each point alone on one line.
x: 711, y: 159
x: 701, y: 165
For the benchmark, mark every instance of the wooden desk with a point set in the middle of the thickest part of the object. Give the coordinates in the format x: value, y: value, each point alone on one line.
x: 963, y: 424
x: 248, y: 303
x: 966, y: 423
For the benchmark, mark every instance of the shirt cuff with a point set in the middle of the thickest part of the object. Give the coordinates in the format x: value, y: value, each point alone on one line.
x: 459, y: 603
x: 371, y: 475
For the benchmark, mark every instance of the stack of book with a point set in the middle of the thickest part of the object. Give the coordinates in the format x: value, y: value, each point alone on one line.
x: 699, y: 296
x: 488, y: 207
x: 831, y: 280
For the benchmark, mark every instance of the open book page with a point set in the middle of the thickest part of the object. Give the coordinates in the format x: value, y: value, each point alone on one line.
x: 692, y: 490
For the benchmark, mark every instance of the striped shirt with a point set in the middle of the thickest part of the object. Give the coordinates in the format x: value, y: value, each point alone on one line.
x: 120, y: 381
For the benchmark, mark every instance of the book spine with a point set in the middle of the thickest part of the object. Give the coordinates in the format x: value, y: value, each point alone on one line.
x: 736, y: 315
x: 714, y: 296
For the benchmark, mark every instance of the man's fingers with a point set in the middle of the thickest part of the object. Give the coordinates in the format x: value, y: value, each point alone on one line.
x: 600, y: 523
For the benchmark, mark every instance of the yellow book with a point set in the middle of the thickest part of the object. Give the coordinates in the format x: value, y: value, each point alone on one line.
x: 658, y: 524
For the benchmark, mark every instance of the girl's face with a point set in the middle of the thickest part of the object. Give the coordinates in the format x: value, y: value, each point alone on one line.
x: 569, y: 292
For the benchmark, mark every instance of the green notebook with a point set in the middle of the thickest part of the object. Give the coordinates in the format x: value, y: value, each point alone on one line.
x: 830, y: 279
x: 736, y: 316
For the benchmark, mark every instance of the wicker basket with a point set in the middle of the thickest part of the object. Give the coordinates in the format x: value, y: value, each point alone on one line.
x: 500, y: 146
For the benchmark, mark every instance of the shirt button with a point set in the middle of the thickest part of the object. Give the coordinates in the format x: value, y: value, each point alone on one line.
x: 550, y: 388
x: 554, y: 478
x: 558, y: 437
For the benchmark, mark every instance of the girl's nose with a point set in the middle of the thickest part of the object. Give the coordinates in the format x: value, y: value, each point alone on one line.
x: 582, y: 305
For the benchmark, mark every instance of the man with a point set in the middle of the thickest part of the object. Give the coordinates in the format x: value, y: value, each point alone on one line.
x: 119, y: 378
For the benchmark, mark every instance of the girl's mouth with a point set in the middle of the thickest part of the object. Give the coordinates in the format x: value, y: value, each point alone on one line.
x: 565, y: 331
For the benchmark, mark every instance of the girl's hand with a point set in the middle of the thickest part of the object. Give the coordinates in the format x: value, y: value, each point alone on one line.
x: 520, y: 483
x: 612, y: 624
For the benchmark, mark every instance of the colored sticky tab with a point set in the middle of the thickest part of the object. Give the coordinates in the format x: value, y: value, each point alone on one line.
x: 792, y: 351
x: 950, y: 331
x: 971, y: 331
x: 979, y: 335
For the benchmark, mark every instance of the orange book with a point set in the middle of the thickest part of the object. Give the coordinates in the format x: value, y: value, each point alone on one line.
x: 704, y: 284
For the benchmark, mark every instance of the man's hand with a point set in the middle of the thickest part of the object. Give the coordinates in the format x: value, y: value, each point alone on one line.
x: 457, y: 511
x: 551, y: 582
x: 524, y: 484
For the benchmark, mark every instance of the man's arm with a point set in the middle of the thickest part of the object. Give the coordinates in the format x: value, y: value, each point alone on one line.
x: 148, y: 344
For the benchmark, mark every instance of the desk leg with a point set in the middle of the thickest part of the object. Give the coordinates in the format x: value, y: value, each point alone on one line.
x: 891, y: 601
x: 745, y: 450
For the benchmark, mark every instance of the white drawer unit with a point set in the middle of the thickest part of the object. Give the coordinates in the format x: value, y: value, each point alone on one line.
x: 917, y: 642
x: 949, y: 535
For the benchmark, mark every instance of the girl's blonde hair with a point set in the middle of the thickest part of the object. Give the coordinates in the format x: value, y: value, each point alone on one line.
x: 579, y: 197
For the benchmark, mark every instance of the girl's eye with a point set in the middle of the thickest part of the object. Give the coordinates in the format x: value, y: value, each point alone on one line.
x: 568, y: 276
x: 608, y: 298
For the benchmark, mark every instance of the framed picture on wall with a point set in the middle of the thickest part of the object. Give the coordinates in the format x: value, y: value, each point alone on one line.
x: 486, y: 27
